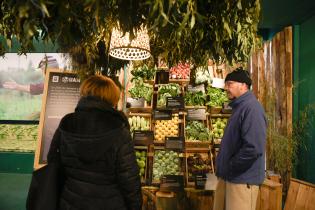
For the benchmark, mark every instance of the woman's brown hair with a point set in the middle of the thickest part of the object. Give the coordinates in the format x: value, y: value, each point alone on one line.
x: 102, y: 87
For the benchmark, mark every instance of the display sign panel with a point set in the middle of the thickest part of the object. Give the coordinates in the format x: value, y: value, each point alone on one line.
x: 143, y: 138
x: 61, y: 95
x: 200, y: 181
x: 162, y: 114
x: 162, y: 77
x: 172, y: 183
x: 197, y: 88
x: 175, y: 102
x: 196, y: 114
x: 174, y: 143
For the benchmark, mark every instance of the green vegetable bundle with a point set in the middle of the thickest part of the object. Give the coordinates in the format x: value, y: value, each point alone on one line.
x: 141, y: 90
x: 195, y: 98
x: 167, y: 90
x: 202, y: 75
x: 144, y: 72
x: 217, y: 97
x: 197, y: 131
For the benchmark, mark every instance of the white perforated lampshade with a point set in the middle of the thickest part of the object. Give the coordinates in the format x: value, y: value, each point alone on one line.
x: 137, y: 49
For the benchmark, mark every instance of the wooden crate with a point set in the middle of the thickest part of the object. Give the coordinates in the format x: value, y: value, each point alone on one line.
x: 190, y: 182
x: 191, y: 145
x: 179, y: 116
x: 269, y: 196
x: 199, y: 199
x: 301, y: 196
x: 181, y: 163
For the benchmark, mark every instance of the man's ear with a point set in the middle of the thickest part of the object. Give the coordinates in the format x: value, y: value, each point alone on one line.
x: 245, y: 86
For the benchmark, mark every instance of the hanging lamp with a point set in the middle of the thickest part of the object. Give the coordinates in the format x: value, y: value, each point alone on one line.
x: 122, y: 47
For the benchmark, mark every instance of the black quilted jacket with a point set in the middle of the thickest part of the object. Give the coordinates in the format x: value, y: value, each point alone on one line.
x: 98, y: 159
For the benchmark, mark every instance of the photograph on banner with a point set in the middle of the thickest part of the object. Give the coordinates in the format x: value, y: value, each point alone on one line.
x: 22, y: 83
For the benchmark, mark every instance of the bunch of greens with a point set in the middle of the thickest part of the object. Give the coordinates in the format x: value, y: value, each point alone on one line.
x: 143, y: 72
x: 141, y: 90
x: 197, y: 131
x: 202, y: 75
x: 167, y: 90
x: 195, y: 98
x: 217, y: 97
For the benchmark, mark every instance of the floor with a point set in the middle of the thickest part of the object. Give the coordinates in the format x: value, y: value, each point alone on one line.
x: 13, y: 190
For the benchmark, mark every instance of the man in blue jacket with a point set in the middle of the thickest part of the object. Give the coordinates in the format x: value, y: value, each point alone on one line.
x: 240, y: 164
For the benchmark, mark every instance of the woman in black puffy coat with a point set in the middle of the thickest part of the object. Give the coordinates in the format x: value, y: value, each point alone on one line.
x: 96, y: 152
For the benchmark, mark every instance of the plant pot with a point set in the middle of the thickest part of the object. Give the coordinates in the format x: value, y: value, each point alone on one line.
x: 136, y: 102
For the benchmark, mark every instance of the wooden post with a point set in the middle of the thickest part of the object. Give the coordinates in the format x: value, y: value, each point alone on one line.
x: 269, y: 196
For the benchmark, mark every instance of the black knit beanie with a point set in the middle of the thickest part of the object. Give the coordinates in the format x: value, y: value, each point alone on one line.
x: 239, y: 75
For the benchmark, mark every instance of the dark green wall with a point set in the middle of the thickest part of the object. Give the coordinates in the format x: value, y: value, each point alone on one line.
x: 14, y: 162
x: 304, y: 92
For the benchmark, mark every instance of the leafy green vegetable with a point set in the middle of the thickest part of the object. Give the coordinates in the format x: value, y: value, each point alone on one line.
x: 141, y: 90
x: 144, y: 72
x: 195, y: 98
x: 217, y: 97
x: 167, y: 90
x: 202, y: 75
x: 197, y: 131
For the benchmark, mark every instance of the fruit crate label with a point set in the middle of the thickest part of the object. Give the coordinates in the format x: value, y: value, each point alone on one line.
x: 197, y: 88
x: 196, y: 114
x: 143, y: 137
x: 172, y: 183
x: 162, y: 77
x: 162, y: 114
x: 174, y: 143
x: 175, y: 102
x: 200, y: 181
x: 136, y: 102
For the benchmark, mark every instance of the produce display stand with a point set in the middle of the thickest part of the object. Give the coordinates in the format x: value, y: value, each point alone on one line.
x: 173, y: 151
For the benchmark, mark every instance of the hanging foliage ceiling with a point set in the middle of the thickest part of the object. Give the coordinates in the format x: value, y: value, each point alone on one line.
x: 195, y: 30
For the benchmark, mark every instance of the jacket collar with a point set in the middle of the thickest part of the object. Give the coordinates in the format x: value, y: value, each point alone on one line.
x: 92, y: 102
x: 246, y: 96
